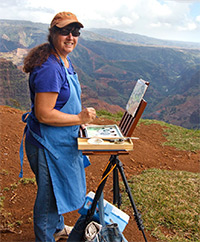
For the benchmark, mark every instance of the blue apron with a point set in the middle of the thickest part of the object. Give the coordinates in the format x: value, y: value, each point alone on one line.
x: 65, y: 161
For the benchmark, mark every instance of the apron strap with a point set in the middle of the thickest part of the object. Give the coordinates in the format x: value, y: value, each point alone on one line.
x: 25, y: 118
x: 21, y: 150
x: 44, y: 143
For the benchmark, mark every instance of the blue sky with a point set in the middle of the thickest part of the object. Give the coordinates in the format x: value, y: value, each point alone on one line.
x: 195, y: 9
x: 164, y: 19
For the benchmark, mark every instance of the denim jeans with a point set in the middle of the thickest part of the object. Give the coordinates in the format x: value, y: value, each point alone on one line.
x: 47, y: 221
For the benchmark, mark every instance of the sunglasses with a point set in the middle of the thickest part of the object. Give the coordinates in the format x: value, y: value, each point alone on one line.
x: 66, y: 31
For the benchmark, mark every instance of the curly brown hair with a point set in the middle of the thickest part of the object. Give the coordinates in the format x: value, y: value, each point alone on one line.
x: 39, y: 54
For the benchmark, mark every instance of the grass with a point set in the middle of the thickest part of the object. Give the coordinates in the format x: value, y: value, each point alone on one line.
x: 107, y: 115
x: 178, y: 137
x: 4, y: 172
x: 169, y: 203
x: 23, y: 181
x: 2, y: 198
x: 26, y: 181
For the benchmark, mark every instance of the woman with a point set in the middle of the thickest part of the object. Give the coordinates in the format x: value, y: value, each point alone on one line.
x: 53, y: 127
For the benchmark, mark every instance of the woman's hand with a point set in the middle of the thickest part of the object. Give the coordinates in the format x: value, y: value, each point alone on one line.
x: 87, y: 115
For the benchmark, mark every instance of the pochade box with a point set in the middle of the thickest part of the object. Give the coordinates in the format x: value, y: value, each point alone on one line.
x: 104, y: 138
x: 112, y: 214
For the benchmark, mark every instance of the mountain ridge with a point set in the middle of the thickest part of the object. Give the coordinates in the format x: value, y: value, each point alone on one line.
x: 109, y: 34
x: 138, y: 39
x: 108, y: 71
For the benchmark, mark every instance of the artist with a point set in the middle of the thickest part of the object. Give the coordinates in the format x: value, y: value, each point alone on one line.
x: 52, y: 129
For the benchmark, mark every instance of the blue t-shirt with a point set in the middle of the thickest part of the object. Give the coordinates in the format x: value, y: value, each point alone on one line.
x: 49, y: 77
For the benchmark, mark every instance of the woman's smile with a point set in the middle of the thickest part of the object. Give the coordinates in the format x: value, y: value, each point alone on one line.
x: 65, y: 44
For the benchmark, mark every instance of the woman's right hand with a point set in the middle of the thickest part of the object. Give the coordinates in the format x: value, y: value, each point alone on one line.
x: 87, y: 115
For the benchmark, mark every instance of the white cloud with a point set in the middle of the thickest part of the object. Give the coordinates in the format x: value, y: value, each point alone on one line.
x: 157, y: 18
x: 126, y: 21
x: 198, y: 19
x: 189, y: 26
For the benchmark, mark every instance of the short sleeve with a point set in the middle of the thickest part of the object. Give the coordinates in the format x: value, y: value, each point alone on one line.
x: 48, y: 78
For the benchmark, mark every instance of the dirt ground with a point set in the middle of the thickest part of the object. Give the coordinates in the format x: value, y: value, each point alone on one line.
x: 16, y: 217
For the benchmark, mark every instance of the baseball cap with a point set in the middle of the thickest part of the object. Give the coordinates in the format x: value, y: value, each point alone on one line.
x: 64, y: 18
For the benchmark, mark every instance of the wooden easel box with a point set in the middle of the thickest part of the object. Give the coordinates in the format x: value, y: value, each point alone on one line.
x: 83, y: 144
x: 134, y: 109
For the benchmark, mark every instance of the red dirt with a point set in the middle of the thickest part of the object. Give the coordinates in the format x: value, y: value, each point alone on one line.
x: 18, y: 204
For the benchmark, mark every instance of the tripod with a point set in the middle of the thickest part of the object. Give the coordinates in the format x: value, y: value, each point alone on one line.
x: 118, y: 166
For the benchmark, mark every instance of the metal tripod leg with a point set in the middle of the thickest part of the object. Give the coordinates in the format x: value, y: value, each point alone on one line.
x: 114, y: 159
x: 116, y: 194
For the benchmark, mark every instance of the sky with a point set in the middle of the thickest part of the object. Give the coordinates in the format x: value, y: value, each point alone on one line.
x: 163, y: 19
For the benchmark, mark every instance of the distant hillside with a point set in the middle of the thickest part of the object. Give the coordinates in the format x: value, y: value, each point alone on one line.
x: 28, y: 34
x: 13, y: 86
x: 109, y: 66
x: 15, y: 91
x: 182, y: 108
x: 138, y: 39
x: 24, y: 34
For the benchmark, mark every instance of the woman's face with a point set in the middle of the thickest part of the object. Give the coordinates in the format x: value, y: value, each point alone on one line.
x: 66, y: 40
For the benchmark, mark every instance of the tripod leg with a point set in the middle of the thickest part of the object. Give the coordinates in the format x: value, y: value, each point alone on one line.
x: 98, y: 193
x: 137, y: 215
x: 116, y: 193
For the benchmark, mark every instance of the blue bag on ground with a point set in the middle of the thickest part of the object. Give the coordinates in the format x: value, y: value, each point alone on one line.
x: 112, y: 214
x: 103, y: 233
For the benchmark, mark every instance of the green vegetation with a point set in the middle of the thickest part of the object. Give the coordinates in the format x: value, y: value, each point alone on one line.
x: 109, y: 70
x: 15, y: 83
x: 181, y: 138
x: 4, y: 172
x: 5, y: 216
x: 6, y: 189
x: 178, y: 137
x: 11, y: 225
x: 25, y: 181
x: 169, y: 202
x: 2, y: 198
x: 14, y: 185
x: 105, y: 114
x: 19, y: 222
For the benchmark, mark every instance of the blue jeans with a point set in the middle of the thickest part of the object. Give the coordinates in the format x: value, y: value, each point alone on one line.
x: 47, y: 221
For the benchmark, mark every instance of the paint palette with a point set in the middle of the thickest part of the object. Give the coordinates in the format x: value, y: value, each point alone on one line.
x: 110, y: 131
